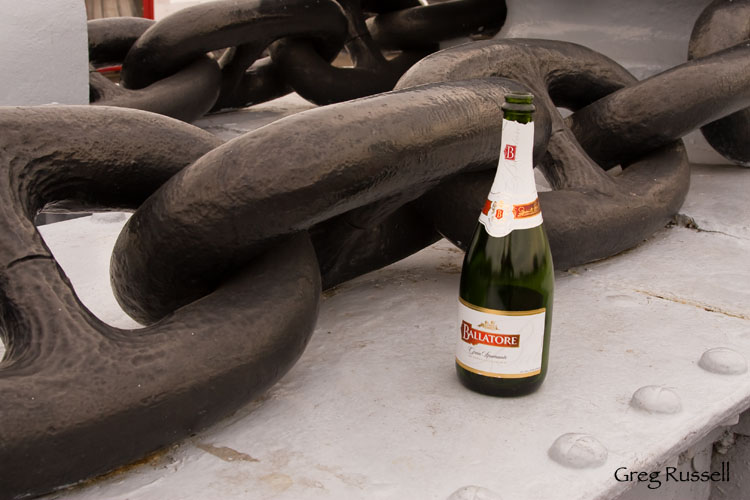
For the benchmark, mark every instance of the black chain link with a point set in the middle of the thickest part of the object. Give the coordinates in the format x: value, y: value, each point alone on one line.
x: 721, y: 25
x: 300, y: 37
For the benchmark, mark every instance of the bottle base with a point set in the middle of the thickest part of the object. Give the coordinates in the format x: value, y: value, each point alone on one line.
x: 499, y: 387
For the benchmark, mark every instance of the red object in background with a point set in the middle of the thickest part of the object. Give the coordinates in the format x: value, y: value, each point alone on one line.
x: 148, y: 9
x: 109, y: 69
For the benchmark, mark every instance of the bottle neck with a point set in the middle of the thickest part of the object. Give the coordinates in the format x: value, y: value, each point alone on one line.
x: 515, y: 168
x: 517, y: 116
x: 513, y: 202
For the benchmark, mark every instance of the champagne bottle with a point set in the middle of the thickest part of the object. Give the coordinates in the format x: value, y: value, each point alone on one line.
x: 507, y: 280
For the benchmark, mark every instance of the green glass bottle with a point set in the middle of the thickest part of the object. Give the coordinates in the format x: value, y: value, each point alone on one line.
x: 507, y: 280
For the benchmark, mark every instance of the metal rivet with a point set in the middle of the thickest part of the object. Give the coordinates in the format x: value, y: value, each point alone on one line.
x: 474, y: 493
x: 724, y: 361
x: 579, y: 451
x: 656, y: 399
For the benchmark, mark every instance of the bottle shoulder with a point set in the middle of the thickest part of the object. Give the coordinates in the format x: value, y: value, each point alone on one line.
x: 505, y: 273
x: 530, y: 240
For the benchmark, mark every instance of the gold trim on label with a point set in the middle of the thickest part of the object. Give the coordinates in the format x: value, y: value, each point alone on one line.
x: 501, y: 313
x: 527, y: 210
x: 498, y: 375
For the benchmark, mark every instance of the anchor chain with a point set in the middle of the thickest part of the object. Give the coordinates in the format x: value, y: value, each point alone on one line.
x: 230, y: 244
x: 268, y: 49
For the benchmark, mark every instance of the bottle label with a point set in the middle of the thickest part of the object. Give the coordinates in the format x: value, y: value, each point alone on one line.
x: 513, y: 202
x: 502, y: 344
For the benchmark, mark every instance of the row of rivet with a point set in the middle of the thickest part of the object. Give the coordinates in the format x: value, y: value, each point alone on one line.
x: 583, y: 451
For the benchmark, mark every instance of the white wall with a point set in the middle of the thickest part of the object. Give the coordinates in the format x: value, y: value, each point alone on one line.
x: 43, y: 52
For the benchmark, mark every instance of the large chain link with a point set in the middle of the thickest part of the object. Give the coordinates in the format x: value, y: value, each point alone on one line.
x: 165, y: 68
x: 722, y: 24
x: 224, y: 254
